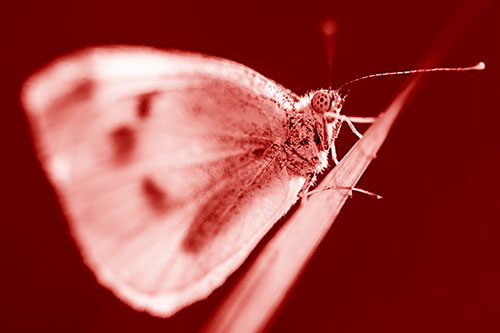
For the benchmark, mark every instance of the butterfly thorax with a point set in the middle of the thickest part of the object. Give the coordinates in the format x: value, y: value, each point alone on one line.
x: 307, y: 144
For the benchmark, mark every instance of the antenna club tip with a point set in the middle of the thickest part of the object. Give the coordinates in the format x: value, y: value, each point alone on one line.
x: 480, y: 66
x: 329, y: 26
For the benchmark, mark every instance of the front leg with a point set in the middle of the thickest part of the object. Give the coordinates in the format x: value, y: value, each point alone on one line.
x: 303, y: 193
x: 350, y: 120
x: 334, y: 153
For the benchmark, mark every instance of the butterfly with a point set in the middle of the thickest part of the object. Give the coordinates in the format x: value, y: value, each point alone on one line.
x: 171, y: 166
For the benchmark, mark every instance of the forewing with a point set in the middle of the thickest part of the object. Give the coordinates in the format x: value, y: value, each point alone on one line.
x: 168, y: 166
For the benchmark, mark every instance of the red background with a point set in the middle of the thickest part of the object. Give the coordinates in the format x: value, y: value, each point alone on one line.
x: 424, y: 259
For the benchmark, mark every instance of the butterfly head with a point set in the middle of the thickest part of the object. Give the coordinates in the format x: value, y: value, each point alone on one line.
x: 327, y: 101
x: 325, y: 106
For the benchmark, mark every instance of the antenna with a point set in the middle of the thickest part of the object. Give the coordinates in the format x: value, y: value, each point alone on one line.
x: 329, y: 29
x: 479, y: 66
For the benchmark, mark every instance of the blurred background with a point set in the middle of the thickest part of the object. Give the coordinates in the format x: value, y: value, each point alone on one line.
x: 423, y: 259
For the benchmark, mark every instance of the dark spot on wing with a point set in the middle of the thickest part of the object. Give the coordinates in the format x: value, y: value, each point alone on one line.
x: 123, y: 142
x: 144, y: 105
x: 217, y: 214
x: 211, y: 219
x: 241, y: 181
x: 82, y: 90
x: 155, y: 196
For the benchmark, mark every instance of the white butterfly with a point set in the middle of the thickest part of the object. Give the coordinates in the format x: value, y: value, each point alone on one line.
x: 172, y: 166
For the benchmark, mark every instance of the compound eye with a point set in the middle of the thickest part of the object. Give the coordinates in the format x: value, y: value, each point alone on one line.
x: 321, y: 102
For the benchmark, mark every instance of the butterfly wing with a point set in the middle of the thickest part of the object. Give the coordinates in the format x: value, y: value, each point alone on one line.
x: 168, y: 166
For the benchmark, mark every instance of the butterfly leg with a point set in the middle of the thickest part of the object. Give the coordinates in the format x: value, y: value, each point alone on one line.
x: 362, y: 120
x: 351, y: 126
x: 351, y: 120
x: 304, y: 191
x: 351, y: 189
x: 334, y: 154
